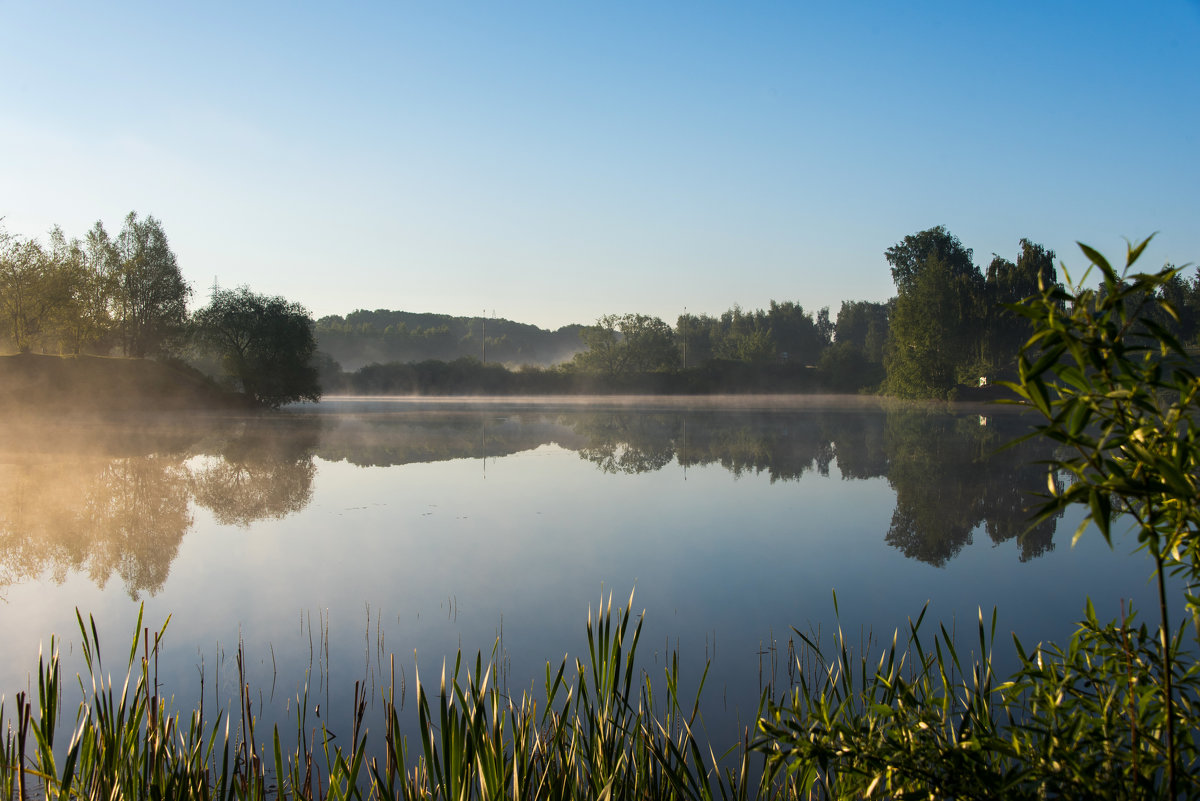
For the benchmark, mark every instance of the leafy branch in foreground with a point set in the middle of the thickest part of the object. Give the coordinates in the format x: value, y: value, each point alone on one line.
x: 1116, y: 712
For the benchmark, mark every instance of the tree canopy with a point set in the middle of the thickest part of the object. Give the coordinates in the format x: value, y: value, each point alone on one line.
x: 911, y: 255
x: 152, y: 296
x: 96, y: 295
x: 265, y: 344
x: 627, y: 343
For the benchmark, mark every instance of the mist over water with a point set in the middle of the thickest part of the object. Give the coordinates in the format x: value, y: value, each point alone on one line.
x: 329, y: 537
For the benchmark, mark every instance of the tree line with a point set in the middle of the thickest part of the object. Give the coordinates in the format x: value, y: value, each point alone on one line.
x: 948, y: 326
x: 96, y: 295
x: 125, y: 295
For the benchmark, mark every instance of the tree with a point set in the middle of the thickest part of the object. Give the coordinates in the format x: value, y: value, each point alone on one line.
x: 266, y: 345
x: 86, y: 280
x: 933, y: 331
x: 1110, y: 714
x: 1184, y: 298
x: 864, y: 325
x: 1006, y: 283
x: 29, y: 291
x: 151, y: 301
x: 628, y: 343
x: 795, y: 334
x: 694, y: 336
x: 745, y: 336
x: 910, y: 256
x: 650, y: 341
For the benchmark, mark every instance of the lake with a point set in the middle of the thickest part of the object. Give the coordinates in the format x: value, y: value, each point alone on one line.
x: 328, y: 537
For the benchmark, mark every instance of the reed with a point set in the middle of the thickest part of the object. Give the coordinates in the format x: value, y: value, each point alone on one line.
x: 599, y: 730
x: 911, y: 718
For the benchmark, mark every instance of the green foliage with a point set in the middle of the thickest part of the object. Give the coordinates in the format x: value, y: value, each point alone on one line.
x: 911, y: 256
x: 1005, y: 284
x: 796, y: 334
x: 932, y: 330
x: 78, y: 296
x: 265, y: 343
x: 1120, y: 393
x: 87, y: 284
x: 384, y: 336
x: 151, y: 299
x: 921, y: 719
x: 1115, y: 713
x: 29, y: 290
x: 865, y: 326
x: 626, y: 344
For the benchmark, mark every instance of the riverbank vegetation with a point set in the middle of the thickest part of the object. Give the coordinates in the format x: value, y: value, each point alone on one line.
x: 126, y: 296
x: 1112, y: 713
x: 948, y: 333
x: 945, y: 334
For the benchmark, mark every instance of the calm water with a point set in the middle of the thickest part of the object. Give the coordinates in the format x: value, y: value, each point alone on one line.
x: 328, y: 537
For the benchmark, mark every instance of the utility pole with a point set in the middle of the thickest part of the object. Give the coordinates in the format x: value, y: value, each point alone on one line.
x: 683, y: 331
x: 484, y: 320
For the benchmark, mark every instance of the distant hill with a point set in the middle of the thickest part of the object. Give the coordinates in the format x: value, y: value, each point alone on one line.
x: 32, y: 382
x: 383, y: 336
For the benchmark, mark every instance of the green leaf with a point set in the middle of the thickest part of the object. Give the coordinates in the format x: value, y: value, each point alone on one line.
x: 1037, y: 396
x: 1046, y: 360
x: 1101, y: 513
x: 1134, y: 251
x: 1098, y: 260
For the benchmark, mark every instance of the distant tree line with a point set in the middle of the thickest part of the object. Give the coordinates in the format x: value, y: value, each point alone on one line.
x: 125, y: 295
x: 947, y: 327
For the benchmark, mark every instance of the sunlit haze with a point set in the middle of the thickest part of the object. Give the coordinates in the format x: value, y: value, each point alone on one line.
x: 553, y: 162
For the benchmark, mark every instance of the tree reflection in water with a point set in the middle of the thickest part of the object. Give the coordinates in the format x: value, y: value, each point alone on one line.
x: 950, y: 470
x: 70, y: 503
x: 124, y: 515
x: 121, y: 503
x: 256, y: 476
x: 952, y: 473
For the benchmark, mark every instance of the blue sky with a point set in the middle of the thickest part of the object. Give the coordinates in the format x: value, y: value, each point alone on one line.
x: 554, y: 162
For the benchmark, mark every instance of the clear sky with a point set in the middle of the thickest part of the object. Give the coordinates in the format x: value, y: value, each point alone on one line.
x: 558, y: 161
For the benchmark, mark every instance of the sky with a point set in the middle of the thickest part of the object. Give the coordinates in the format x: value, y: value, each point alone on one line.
x: 554, y: 162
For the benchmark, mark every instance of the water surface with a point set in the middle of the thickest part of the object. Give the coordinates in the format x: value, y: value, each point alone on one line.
x: 329, y: 537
